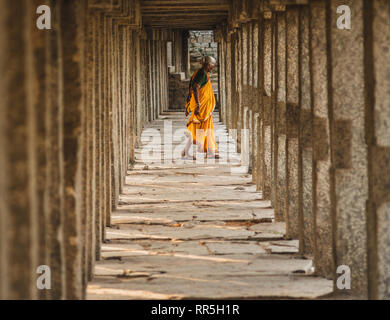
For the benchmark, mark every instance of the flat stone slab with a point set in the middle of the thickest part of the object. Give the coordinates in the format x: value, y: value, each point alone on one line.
x: 278, y: 228
x: 167, y: 217
x: 229, y: 248
x: 159, y: 261
x: 196, y: 232
x: 176, y: 287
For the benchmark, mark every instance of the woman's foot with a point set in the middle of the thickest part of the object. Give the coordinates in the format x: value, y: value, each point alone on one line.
x: 185, y: 156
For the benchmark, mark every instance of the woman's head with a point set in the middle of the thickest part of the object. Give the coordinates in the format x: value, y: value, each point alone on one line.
x: 209, y: 63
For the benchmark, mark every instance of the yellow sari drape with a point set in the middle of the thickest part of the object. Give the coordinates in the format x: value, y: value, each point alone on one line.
x: 201, y: 127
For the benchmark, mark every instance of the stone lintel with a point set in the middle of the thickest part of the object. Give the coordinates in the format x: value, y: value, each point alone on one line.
x: 288, y: 2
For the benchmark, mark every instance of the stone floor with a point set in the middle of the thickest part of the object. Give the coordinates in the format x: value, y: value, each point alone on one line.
x: 187, y: 230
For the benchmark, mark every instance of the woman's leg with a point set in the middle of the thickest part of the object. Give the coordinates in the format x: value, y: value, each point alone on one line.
x: 186, y: 150
x: 211, y: 147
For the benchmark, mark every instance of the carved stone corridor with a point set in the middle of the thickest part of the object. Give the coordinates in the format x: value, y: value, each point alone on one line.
x: 303, y: 103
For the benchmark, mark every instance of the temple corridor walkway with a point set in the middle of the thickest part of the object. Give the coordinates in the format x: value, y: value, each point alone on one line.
x: 189, y: 230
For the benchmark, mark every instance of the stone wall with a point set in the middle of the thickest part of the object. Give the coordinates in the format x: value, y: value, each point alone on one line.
x: 201, y: 43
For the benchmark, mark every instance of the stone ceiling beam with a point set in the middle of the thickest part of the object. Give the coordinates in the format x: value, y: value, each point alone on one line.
x: 186, y: 14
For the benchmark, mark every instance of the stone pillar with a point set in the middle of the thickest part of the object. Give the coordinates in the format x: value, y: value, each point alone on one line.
x: 280, y: 117
x: 18, y: 220
x: 138, y: 92
x: 149, y: 77
x: 152, y: 75
x: 349, y: 150
x: 106, y: 147
x: 234, y: 81
x: 223, y: 80
x: 148, y: 81
x: 265, y: 113
x: 114, y: 134
x: 305, y: 160
x: 86, y: 75
x: 95, y: 81
x: 251, y: 96
x: 255, y: 99
x: 186, y: 53
x: 228, y: 79
x: 101, y: 89
x: 323, y: 257
x: 3, y: 162
x: 54, y: 178
x: 239, y: 87
x: 72, y: 44
x: 246, y: 95
x: 36, y: 100
x: 377, y: 69
x: 259, y: 108
x: 273, y: 194
x: 155, y: 79
x: 292, y: 120
x: 178, y: 50
x: 221, y: 75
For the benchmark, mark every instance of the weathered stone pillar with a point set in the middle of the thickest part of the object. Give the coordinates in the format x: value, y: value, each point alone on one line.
x: 220, y: 37
x: 323, y: 257
x: 292, y: 120
x: 186, y: 53
x: 239, y: 87
x: 255, y: 99
x: 18, y: 203
x: 251, y: 96
x: 228, y: 79
x: 265, y: 112
x: 280, y: 117
x: 155, y: 78
x: 377, y: 69
x: 101, y: 100
x: 259, y: 107
x: 3, y: 162
x: 305, y: 164
x: 148, y: 76
x: 349, y: 151
x: 72, y: 40
x: 95, y: 80
x: 160, y: 74
x: 138, y: 91
x: 245, y: 101
x: 178, y: 50
x: 234, y: 80
x: 86, y: 73
x: 272, y: 115
x: 37, y: 133
x: 114, y: 135
x: 126, y: 101
x: 54, y: 178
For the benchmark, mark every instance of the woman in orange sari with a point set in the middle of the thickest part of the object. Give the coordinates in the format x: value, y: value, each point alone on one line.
x: 201, y: 104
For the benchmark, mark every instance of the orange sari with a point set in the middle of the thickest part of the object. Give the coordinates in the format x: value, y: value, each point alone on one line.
x: 201, y: 128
